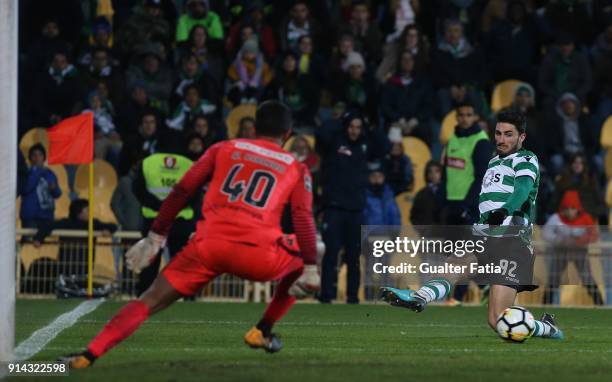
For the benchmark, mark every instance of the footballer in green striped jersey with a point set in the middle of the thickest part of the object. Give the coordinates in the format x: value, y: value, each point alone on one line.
x: 507, y: 201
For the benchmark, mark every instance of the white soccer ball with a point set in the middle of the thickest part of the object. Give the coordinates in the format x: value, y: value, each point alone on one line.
x: 515, y: 324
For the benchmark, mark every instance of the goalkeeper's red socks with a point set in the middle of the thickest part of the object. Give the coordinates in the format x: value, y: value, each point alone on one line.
x: 119, y: 327
x: 281, y: 302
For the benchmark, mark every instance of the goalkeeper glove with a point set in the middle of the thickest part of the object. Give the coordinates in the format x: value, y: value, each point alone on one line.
x: 141, y: 254
x: 308, y: 284
x: 496, y: 217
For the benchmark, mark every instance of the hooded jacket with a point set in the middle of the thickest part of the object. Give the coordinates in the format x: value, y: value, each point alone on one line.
x: 579, y: 231
x: 567, y: 134
x: 344, y: 163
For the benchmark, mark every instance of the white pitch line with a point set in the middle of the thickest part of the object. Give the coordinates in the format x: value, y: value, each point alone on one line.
x: 40, y: 338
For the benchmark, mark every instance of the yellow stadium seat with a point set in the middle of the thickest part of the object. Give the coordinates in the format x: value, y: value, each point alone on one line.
x: 419, y: 155
x: 606, y: 134
x: 62, y: 204
x: 309, y: 138
x: 448, y: 127
x: 609, y: 193
x: 105, y: 182
x: 502, y: 94
x: 32, y: 137
x: 104, y: 176
x: 235, y: 115
x: 608, y: 164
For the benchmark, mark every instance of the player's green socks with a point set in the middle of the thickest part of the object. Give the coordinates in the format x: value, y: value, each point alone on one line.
x: 542, y: 329
x: 435, y: 289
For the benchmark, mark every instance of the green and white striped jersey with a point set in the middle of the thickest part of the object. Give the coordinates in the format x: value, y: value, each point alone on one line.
x: 498, y: 185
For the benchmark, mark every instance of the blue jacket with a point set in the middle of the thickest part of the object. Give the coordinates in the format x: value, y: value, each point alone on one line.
x: 381, y: 210
x: 344, y: 164
x: 37, y: 199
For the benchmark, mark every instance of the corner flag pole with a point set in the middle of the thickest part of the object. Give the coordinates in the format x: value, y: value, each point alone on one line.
x: 90, y: 233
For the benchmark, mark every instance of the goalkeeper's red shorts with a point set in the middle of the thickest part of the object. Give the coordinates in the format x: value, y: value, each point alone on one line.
x: 201, y: 260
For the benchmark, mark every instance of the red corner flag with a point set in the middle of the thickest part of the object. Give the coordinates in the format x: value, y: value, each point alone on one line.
x: 71, y: 140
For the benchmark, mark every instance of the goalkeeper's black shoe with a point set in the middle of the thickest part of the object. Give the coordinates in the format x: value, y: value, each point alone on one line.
x: 555, y: 332
x: 405, y: 298
x: 78, y: 360
x: 256, y: 340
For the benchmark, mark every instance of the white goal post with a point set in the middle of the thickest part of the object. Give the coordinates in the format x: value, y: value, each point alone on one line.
x: 8, y: 168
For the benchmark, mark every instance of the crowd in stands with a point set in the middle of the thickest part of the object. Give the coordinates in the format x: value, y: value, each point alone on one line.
x: 358, y: 76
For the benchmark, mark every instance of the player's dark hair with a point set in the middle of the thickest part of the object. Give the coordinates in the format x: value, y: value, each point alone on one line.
x: 37, y: 147
x: 272, y: 119
x: 514, y: 117
x: 76, y: 206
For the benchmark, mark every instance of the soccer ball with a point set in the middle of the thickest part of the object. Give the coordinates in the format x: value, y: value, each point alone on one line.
x: 515, y: 324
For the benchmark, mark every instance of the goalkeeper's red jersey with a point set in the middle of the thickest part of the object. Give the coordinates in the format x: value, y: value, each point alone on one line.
x: 251, y: 182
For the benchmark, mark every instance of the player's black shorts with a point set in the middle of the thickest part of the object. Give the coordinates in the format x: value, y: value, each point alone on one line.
x: 511, y: 262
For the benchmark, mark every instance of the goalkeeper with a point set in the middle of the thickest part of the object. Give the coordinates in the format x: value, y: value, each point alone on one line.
x: 507, y: 207
x: 251, y: 181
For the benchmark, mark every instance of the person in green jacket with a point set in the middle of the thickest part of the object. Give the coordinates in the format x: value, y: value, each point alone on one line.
x: 199, y: 13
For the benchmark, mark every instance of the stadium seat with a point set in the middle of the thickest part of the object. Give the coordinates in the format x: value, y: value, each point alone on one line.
x: 62, y: 204
x: 608, y: 163
x: 32, y: 137
x: 448, y: 127
x: 235, y: 115
x: 105, y: 182
x: 419, y: 155
x: 502, y: 94
x: 606, y: 134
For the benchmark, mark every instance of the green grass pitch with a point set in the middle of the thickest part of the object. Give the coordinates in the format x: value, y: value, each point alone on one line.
x: 203, y: 342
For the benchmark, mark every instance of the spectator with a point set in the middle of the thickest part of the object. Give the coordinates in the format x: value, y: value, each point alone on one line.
x: 209, y: 61
x: 191, y: 106
x: 467, y: 156
x: 201, y: 125
x: 246, y: 128
x: 569, y: 131
x: 100, y: 69
x: 468, y: 13
x: 602, y: 75
x: 577, y: 176
x: 399, y: 15
x: 248, y: 75
x: 58, y: 93
x: 345, y: 147
x: 107, y: 144
x: 410, y: 40
x: 150, y: 71
x: 406, y: 99
x: 428, y: 202
x: 457, y: 69
x: 124, y: 203
x: 39, y: 191
x: 297, y: 25
x: 42, y: 51
x: 304, y: 153
x: 101, y: 36
x: 368, y: 38
x: 511, y: 45
x: 142, y: 144
x: 524, y: 101
x: 199, y: 13
x: 73, y: 250
x: 191, y: 74
x: 568, y: 16
x: 398, y: 168
x: 130, y: 113
x: 381, y: 208
x: 195, y: 147
x: 357, y: 89
x: 570, y: 231
x: 146, y: 26
x: 298, y: 91
x: 254, y: 19
x: 308, y: 60
x: 564, y: 70
x: 338, y: 63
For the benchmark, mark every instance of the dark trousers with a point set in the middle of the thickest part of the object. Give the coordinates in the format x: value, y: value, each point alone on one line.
x: 341, y: 229
x: 177, y: 238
